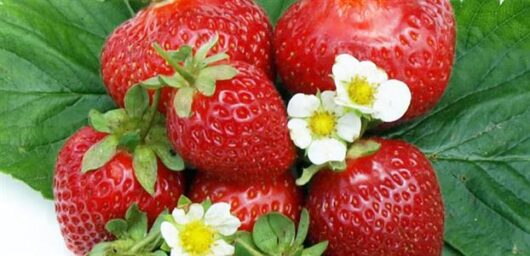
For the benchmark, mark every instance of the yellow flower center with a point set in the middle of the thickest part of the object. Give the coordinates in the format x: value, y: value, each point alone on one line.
x: 361, y: 91
x: 322, y: 123
x: 197, y: 238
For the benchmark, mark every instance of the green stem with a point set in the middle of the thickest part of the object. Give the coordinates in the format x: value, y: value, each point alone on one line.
x: 144, y: 242
x: 129, y: 7
x: 153, y: 109
x: 178, y: 68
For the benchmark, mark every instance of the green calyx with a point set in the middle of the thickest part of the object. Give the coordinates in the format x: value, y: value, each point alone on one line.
x: 194, y: 73
x: 132, y: 236
x: 275, y: 234
x: 358, y: 149
x: 138, y: 128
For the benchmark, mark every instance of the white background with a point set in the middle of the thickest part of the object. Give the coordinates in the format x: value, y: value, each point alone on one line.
x: 27, y: 222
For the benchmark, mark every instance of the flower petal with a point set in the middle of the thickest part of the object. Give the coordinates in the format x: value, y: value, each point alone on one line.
x: 303, y: 105
x: 374, y: 74
x: 328, y: 102
x: 170, y: 234
x: 178, y: 251
x: 346, y: 59
x: 222, y: 248
x: 299, y: 132
x: 219, y: 218
x: 392, y: 101
x: 196, y: 212
x: 179, y: 216
x: 349, y: 127
x: 326, y: 150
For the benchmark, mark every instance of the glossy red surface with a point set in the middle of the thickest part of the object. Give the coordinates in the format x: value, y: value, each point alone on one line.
x: 128, y: 56
x: 239, y: 133
x: 251, y: 199
x: 414, y: 41
x: 86, y: 202
x: 385, y: 204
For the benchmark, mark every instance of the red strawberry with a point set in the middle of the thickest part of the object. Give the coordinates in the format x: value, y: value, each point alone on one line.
x: 239, y: 132
x: 413, y: 41
x: 128, y: 57
x: 86, y: 202
x: 251, y: 199
x: 388, y: 203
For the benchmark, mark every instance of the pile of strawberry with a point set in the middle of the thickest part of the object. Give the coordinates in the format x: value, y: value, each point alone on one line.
x: 195, y: 80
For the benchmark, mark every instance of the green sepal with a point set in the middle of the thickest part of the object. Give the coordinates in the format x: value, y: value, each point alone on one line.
x: 118, y: 228
x: 244, y: 245
x: 206, y: 204
x: 152, y: 83
x: 216, y: 58
x: 130, y: 139
x: 200, y: 56
x: 183, y: 53
x: 338, y: 166
x: 145, y: 167
x: 363, y: 148
x: 100, y: 154
x: 219, y: 72
x: 136, y: 101
x: 303, y: 228
x: 205, y: 85
x: 183, y: 101
x: 136, y: 223
x: 169, y: 157
x: 184, y: 202
x: 316, y: 250
x: 273, y: 233
x: 98, y: 121
x: 308, y: 173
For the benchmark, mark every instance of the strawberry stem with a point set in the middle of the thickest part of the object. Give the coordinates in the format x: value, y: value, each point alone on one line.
x: 153, y: 110
x: 129, y: 7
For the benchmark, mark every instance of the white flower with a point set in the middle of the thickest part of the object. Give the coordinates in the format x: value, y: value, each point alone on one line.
x: 322, y: 127
x: 198, y: 233
x: 361, y: 85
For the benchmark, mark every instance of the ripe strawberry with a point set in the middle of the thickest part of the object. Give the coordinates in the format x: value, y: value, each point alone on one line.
x: 250, y: 199
x: 86, y: 202
x: 227, y: 118
x: 413, y: 41
x: 388, y: 203
x: 101, y: 171
x: 128, y: 57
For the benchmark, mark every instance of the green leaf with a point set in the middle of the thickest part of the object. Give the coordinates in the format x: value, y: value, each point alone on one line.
x: 273, y: 233
x: 145, y: 168
x: 100, y: 154
x: 171, y: 159
x: 183, y: 101
x: 98, y: 121
x: 275, y: 8
x: 49, y: 79
x: 245, y: 246
x: 136, y: 101
x: 137, y: 223
x: 477, y: 138
x: 308, y: 173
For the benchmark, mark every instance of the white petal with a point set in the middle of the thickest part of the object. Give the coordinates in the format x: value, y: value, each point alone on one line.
x: 392, y: 101
x: 179, y: 216
x: 170, y: 234
x: 222, y: 248
x: 374, y: 74
x: 196, y: 212
x: 328, y: 102
x: 178, y: 251
x: 349, y: 127
x: 299, y: 132
x: 346, y: 59
x: 219, y: 218
x: 351, y: 105
x: 303, y: 105
x: 326, y: 150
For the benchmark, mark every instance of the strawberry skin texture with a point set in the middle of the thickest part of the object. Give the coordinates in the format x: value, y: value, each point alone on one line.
x: 252, y: 199
x: 388, y: 203
x: 239, y: 133
x: 128, y: 56
x: 84, y: 203
x: 413, y: 41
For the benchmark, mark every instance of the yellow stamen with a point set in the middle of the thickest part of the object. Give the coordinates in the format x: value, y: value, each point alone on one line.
x: 197, y: 238
x: 322, y: 123
x: 361, y: 92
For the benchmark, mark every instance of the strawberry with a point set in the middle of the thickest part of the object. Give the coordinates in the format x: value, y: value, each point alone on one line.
x: 128, y: 58
x: 413, y: 41
x: 227, y: 117
x: 250, y: 199
x: 101, y: 171
x: 387, y: 203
